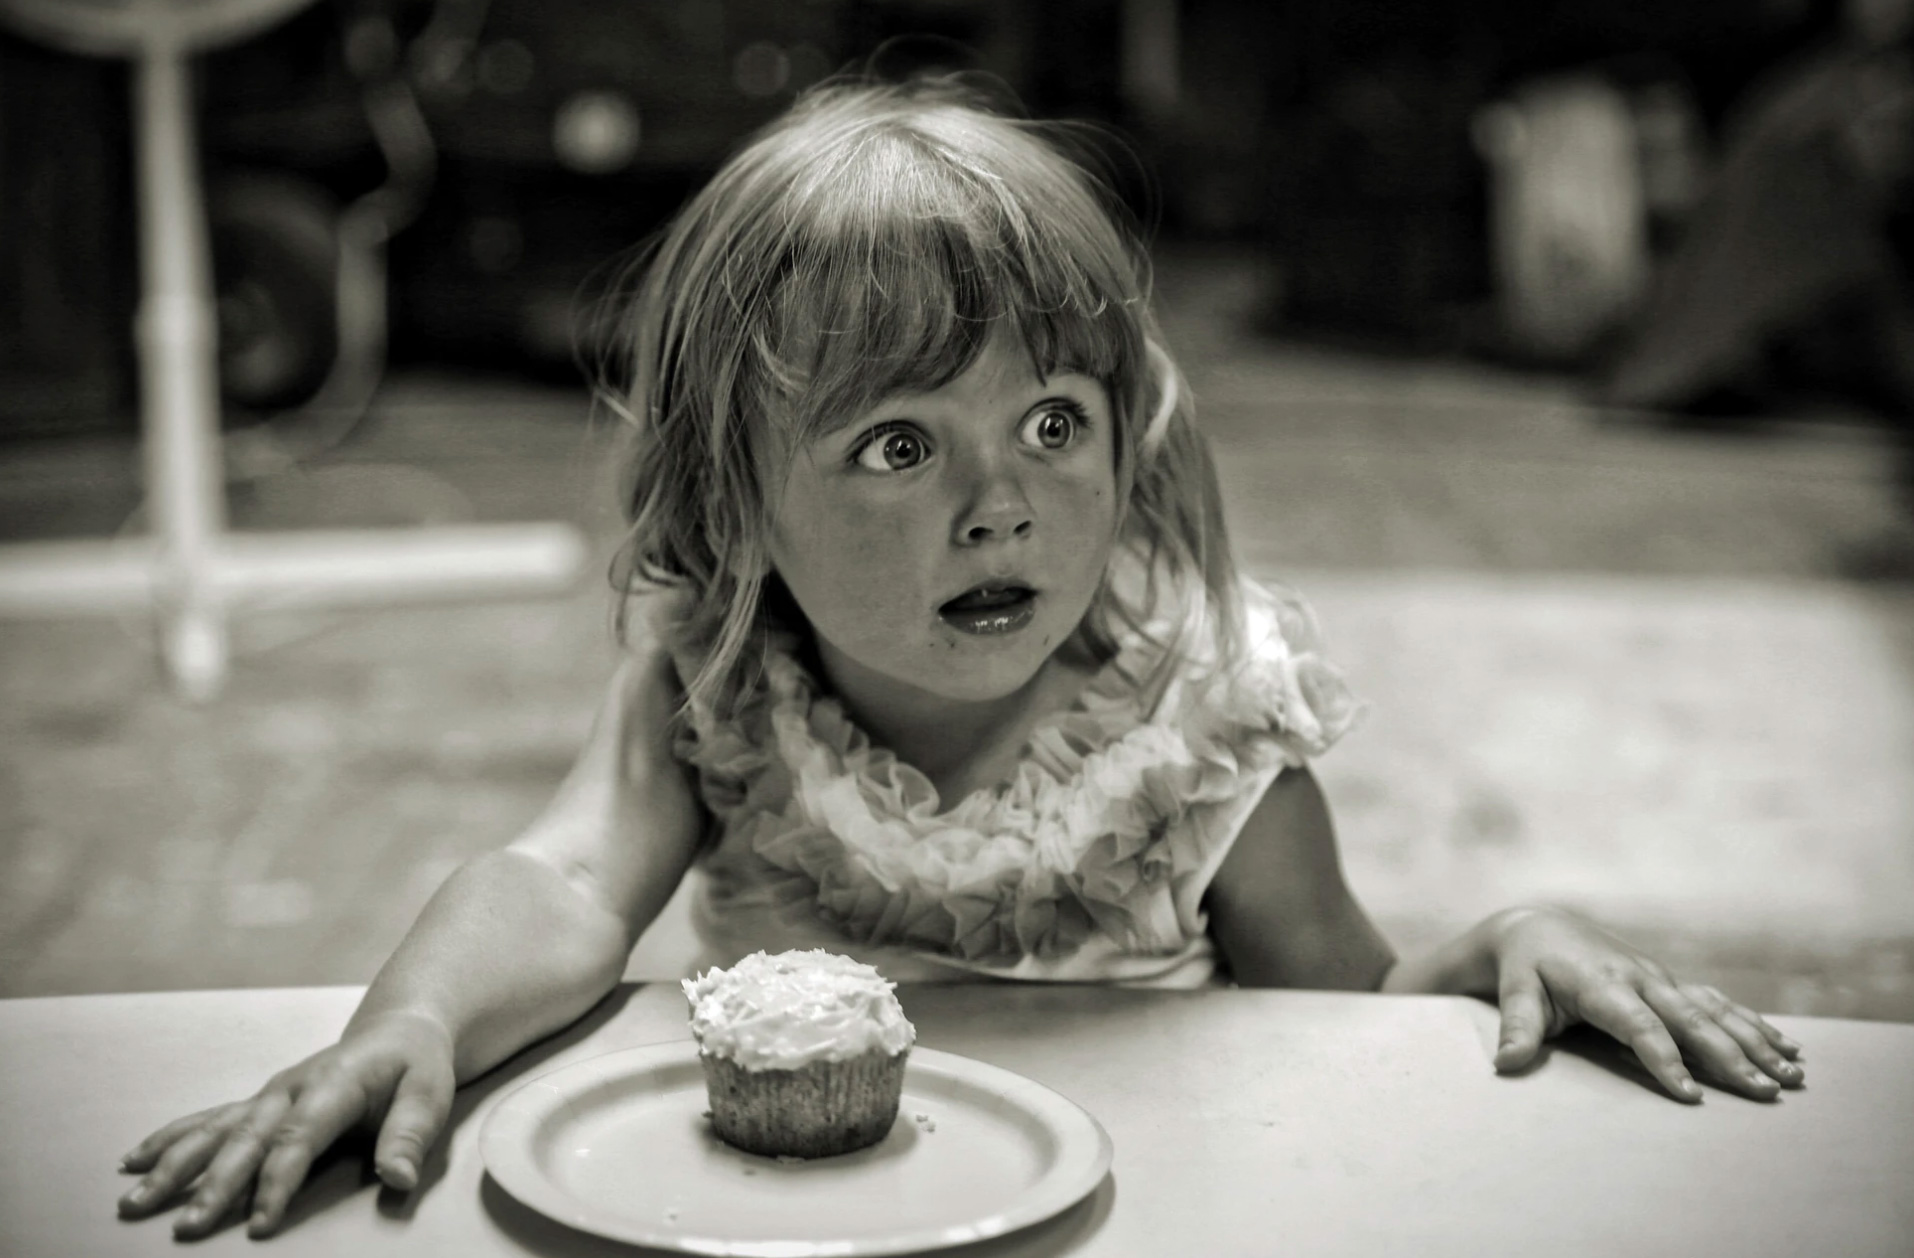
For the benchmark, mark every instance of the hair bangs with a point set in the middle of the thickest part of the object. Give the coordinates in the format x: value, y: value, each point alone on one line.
x: 902, y: 259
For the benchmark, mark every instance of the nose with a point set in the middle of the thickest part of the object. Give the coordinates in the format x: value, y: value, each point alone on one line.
x: 995, y: 508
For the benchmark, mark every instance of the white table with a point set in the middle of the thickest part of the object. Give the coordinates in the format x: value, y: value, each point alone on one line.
x: 1244, y: 1123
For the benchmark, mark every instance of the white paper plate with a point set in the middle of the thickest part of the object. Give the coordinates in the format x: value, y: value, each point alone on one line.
x: 620, y: 1146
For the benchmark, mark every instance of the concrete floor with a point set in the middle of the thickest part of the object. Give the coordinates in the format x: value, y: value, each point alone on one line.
x: 1665, y: 677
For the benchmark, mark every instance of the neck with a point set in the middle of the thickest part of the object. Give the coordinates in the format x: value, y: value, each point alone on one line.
x: 960, y: 745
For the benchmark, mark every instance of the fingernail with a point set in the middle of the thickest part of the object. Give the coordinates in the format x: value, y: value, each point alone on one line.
x: 401, y: 1174
x: 1690, y: 1089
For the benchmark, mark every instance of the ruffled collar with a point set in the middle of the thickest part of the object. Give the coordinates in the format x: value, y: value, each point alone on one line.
x: 1086, y: 836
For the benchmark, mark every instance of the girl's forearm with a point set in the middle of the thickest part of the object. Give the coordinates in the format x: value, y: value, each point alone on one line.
x: 505, y: 953
x: 1465, y: 966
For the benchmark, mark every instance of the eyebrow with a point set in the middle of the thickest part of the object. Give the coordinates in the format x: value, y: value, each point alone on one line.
x: 1049, y: 382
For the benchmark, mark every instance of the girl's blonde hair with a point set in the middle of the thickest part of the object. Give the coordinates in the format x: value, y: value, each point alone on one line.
x: 869, y: 243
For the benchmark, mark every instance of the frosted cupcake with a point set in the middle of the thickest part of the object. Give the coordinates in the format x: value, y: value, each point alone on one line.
x: 803, y: 1052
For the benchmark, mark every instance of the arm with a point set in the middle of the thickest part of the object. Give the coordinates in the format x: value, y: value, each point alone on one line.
x: 521, y: 942
x: 516, y: 944
x: 1279, y: 909
x: 1283, y: 916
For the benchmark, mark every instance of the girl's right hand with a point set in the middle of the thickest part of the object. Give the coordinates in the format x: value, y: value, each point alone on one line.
x: 392, y: 1072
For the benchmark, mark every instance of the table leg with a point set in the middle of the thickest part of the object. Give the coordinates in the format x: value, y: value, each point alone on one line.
x: 177, y: 336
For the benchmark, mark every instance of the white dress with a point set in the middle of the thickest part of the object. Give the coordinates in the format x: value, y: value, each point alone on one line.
x: 1090, y: 864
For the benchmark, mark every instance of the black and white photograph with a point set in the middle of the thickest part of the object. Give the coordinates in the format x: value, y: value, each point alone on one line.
x: 991, y: 628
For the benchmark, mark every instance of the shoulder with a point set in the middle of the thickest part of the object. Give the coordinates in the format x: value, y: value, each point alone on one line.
x: 1261, y: 680
x: 649, y: 682
x: 626, y: 812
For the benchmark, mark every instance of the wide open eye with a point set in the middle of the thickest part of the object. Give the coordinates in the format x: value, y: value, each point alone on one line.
x: 892, y: 448
x: 1053, y: 426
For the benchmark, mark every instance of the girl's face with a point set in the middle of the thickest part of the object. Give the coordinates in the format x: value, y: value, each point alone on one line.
x: 944, y: 544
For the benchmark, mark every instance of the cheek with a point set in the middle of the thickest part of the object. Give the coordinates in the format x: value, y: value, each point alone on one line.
x: 866, y: 535
x: 847, y: 564
x: 1084, y: 509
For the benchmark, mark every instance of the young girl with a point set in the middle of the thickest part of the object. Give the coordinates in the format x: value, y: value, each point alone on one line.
x: 937, y: 658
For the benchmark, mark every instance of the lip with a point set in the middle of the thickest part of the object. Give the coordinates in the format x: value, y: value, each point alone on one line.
x: 992, y: 621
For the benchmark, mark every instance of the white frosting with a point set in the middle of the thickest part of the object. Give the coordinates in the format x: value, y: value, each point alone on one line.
x: 786, y: 1011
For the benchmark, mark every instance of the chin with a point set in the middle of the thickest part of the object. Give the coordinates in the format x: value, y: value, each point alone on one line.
x: 980, y: 677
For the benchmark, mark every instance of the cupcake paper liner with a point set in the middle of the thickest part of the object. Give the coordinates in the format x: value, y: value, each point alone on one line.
x: 817, y: 1110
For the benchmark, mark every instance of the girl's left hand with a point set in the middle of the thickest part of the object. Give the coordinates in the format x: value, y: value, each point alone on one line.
x: 1554, y: 970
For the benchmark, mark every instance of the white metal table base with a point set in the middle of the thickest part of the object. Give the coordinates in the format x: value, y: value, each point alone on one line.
x: 190, y: 570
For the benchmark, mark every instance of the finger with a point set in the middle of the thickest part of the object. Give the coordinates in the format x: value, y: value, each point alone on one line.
x: 419, y: 1109
x: 1788, y: 1048
x: 1759, y: 1049
x: 1620, y: 1011
x: 1715, y: 1000
x: 176, y: 1167
x: 1708, y: 1043
x: 229, y: 1176
x: 144, y: 1154
x: 1744, y: 1027
x: 320, y: 1116
x: 1525, y: 1018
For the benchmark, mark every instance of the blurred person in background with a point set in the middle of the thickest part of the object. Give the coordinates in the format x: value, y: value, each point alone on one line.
x: 1793, y: 273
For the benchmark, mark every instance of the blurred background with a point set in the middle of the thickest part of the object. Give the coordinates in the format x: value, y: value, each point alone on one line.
x: 1562, y: 355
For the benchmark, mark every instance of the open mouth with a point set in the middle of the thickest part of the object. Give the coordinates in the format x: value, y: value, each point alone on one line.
x: 992, y: 608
